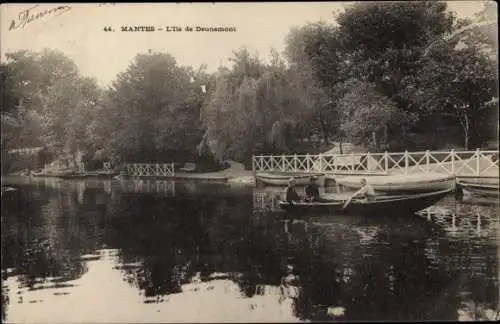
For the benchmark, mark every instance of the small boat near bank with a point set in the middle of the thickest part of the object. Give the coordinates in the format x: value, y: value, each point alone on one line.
x: 98, y: 174
x: 479, y: 189
x: 281, y: 179
x: 52, y: 173
x: 398, y: 184
x: 7, y: 189
x: 383, y: 205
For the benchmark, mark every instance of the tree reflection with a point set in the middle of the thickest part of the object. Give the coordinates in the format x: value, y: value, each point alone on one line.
x: 393, y: 281
x: 355, y: 268
x: 45, y: 235
x: 176, y: 238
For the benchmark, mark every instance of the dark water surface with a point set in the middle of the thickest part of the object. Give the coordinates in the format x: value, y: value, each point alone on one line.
x: 159, y: 251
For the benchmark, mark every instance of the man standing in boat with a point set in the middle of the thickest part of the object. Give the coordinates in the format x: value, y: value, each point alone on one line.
x: 291, y: 196
x: 367, y: 192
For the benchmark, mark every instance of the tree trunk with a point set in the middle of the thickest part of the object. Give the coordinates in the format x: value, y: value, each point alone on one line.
x: 324, y: 130
x: 386, y: 131
x: 465, y: 127
x: 466, y: 140
x: 376, y: 141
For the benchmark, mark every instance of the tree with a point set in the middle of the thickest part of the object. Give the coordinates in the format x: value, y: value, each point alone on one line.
x: 154, y: 108
x: 365, y: 113
x: 43, y: 91
x: 384, y: 43
x: 459, y: 81
x: 314, y: 54
x: 216, y: 117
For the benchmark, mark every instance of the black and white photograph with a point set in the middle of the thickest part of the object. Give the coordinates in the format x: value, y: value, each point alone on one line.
x: 249, y: 162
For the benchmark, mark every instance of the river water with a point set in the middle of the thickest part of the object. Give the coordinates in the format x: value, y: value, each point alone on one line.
x: 161, y: 251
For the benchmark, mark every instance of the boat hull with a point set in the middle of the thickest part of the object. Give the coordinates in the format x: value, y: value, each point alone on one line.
x: 103, y: 174
x: 413, y: 186
x: 393, y: 206
x: 53, y: 174
x: 74, y: 176
x: 282, y: 180
x: 485, y: 190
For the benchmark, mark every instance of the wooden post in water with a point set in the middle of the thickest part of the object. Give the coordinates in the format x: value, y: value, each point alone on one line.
x: 386, y: 162
x: 453, y: 162
x: 478, y: 223
x: 478, y: 160
x: 406, y: 162
x: 427, y: 162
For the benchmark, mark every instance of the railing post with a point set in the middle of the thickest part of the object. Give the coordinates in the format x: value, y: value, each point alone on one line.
x: 307, y: 163
x: 335, y: 162
x: 452, y: 162
x: 427, y: 161
x: 386, y: 162
x: 406, y: 162
x: 367, y: 161
x: 295, y: 163
x: 478, y: 160
x: 282, y: 163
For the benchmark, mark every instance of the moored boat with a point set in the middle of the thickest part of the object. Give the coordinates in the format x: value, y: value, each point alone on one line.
x: 281, y: 179
x: 74, y: 176
x: 103, y: 174
x: 7, y: 189
x: 480, y: 189
x: 52, y: 173
x: 387, y: 205
x: 397, y: 184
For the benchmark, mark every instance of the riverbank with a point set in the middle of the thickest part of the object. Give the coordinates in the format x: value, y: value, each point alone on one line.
x: 234, y: 174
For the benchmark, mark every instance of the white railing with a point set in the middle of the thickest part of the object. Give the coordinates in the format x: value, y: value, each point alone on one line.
x: 148, y: 186
x: 150, y: 170
x: 476, y: 163
x: 265, y: 200
x: 481, y: 220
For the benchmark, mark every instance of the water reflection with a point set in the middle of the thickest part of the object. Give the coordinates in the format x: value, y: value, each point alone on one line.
x: 465, y: 220
x: 200, y: 252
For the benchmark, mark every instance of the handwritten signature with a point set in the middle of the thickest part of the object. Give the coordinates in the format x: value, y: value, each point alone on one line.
x: 30, y: 15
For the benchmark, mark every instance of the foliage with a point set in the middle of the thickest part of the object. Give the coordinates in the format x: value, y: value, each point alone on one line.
x: 257, y: 108
x: 459, y: 80
x: 381, y: 74
x: 51, y: 102
x: 365, y: 112
x: 151, y: 108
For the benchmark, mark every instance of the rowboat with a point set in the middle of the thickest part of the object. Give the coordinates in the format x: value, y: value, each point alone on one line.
x: 277, y: 179
x: 102, y: 174
x: 6, y: 189
x: 480, y: 189
x: 91, y: 174
x: 383, y: 205
x: 397, y: 184
x: 56, y: 174
x: 74, y: 176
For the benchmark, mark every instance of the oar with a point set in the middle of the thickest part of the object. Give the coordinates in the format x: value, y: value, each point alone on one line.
x: 347, y: 203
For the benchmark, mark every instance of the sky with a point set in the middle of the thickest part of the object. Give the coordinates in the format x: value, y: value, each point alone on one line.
x: 78, y: 30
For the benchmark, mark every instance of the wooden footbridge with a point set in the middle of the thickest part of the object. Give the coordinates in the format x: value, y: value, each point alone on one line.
x: 478, y: 163
x: 150, y: 169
